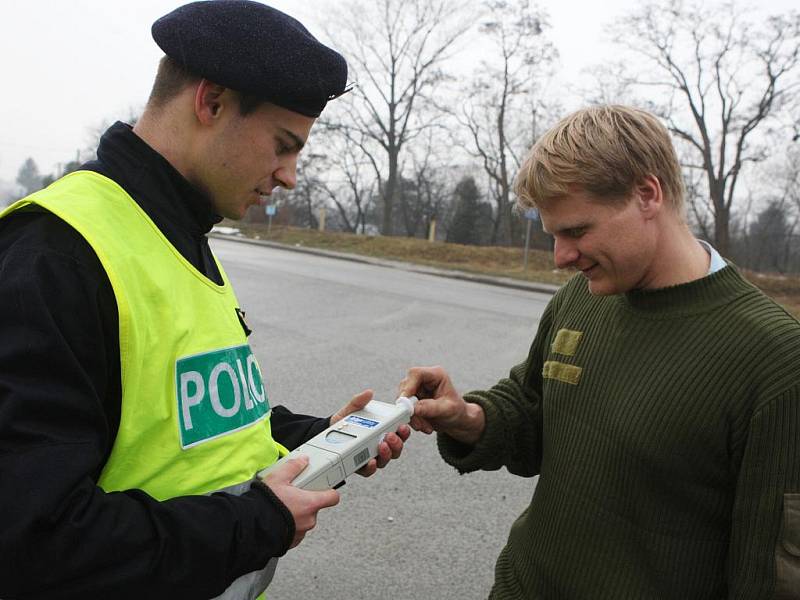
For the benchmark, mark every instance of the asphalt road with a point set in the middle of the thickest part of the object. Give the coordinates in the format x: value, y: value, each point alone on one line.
x: 325, y: 329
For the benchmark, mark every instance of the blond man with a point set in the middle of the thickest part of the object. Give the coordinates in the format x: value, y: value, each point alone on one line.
x: 660, y: 401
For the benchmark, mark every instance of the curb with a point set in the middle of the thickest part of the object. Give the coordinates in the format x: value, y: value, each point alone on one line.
x: 506, y: 282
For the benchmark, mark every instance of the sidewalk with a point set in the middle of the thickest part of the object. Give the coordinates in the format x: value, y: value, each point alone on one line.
x: 507, y: 282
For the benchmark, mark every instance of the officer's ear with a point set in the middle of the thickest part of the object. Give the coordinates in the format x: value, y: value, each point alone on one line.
x: 209, y: 100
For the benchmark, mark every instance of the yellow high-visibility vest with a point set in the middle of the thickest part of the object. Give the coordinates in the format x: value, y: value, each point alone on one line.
x: 195, y: 414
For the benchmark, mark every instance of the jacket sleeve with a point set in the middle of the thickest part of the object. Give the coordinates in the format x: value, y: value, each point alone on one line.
x: 291, y: 430
x: 61, y: 536
x: 764, y: 556
x: 513, y: 412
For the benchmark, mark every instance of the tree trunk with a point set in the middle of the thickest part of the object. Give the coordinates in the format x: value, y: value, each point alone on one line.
x: 722, y: 231
x: 390, y: 193
x: 507, y: 213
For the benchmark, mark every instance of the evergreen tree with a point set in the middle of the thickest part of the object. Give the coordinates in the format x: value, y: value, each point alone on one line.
x: 467, y: 225
x: 770, y: 237
x: 28, y: 177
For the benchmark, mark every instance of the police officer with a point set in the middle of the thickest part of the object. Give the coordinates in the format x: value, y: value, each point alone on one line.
x: 128, y: 392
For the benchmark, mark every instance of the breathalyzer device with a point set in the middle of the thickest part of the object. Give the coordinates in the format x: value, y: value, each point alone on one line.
x: 347, y: 445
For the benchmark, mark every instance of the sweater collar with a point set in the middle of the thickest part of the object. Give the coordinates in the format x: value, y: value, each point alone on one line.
x: 149, y: 177
x: 717, y: 289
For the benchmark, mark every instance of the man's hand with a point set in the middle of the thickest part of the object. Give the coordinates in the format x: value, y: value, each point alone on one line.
x: 303, y: 505
x: 391, y: 446
x: 440, y: 406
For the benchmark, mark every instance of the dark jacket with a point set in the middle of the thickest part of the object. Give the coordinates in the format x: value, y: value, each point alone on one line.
x: 60, y: 395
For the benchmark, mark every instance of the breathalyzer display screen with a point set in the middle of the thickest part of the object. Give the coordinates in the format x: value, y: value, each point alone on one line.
x: 338, y: 437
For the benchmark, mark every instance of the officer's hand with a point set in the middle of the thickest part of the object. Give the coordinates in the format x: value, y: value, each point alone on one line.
x: 391, y: 446
x: 304, y: 505
x: 440, y: 406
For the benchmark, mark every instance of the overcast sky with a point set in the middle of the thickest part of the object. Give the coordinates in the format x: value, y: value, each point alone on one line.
x: 66, y: 66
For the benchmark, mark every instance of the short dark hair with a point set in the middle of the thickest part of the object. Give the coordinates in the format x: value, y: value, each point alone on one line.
x: 172, y: 77
x: 248, y: 103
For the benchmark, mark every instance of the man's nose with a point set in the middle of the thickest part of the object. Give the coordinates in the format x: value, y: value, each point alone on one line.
x: 565, y: 253
x: 286, y: 176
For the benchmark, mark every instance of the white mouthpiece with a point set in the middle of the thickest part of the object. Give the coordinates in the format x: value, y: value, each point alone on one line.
x: 408, y: 403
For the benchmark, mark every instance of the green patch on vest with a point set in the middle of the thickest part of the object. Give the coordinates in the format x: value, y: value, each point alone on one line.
x: 562, y: 372
x: 218, y: 392
x: 567, y: 341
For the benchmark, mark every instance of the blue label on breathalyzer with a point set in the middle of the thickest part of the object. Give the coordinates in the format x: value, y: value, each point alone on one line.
x: 368, y: 423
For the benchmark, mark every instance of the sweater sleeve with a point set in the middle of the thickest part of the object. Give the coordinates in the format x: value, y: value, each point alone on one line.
x: 764, y: 556
x: 61, y: 536
x: 513, y: 411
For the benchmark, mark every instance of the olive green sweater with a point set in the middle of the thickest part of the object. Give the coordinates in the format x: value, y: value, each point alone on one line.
x: 665, y: 427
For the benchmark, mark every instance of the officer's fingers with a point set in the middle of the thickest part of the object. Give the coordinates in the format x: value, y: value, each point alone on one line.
x: 306, y: 524
x: 384, y: 454
x: 298, y: 537
x: 325, y: 499
x: 360, y: 400
x: 368, y: 470
x: 357, y: 402
x: 394, y: 445
x: 403, y: 432
x: 288, y: 470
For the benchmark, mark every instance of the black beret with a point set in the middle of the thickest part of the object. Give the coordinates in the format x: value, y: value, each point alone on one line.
x: 253, y: 48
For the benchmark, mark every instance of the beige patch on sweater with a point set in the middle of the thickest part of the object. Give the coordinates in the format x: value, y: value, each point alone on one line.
x: 561, y: 372
x: 566, y: 342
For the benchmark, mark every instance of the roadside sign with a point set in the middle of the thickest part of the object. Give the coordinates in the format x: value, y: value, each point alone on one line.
x: 531, y: 215
x: 270, y: 210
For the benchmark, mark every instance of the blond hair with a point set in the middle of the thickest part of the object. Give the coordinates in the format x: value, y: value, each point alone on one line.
x: 604, y: 150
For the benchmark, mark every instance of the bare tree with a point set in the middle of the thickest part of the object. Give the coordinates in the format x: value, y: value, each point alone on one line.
x: 425, y: 194
x: 300, y: 206
x: 611, y: 83
x: 395, y: 49
x: 432, y: 195
x: 306, y: 195
x: 347, y: 183
x: 724, y: 77
x: 790, y: 182
x: 505, y: 104
x: 787, y: 184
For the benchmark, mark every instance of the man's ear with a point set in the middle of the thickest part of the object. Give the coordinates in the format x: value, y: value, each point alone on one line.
x: 208, y: 101
x: 649, y: 196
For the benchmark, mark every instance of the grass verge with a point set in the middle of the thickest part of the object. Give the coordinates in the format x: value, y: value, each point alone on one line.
x: 486, y: 260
